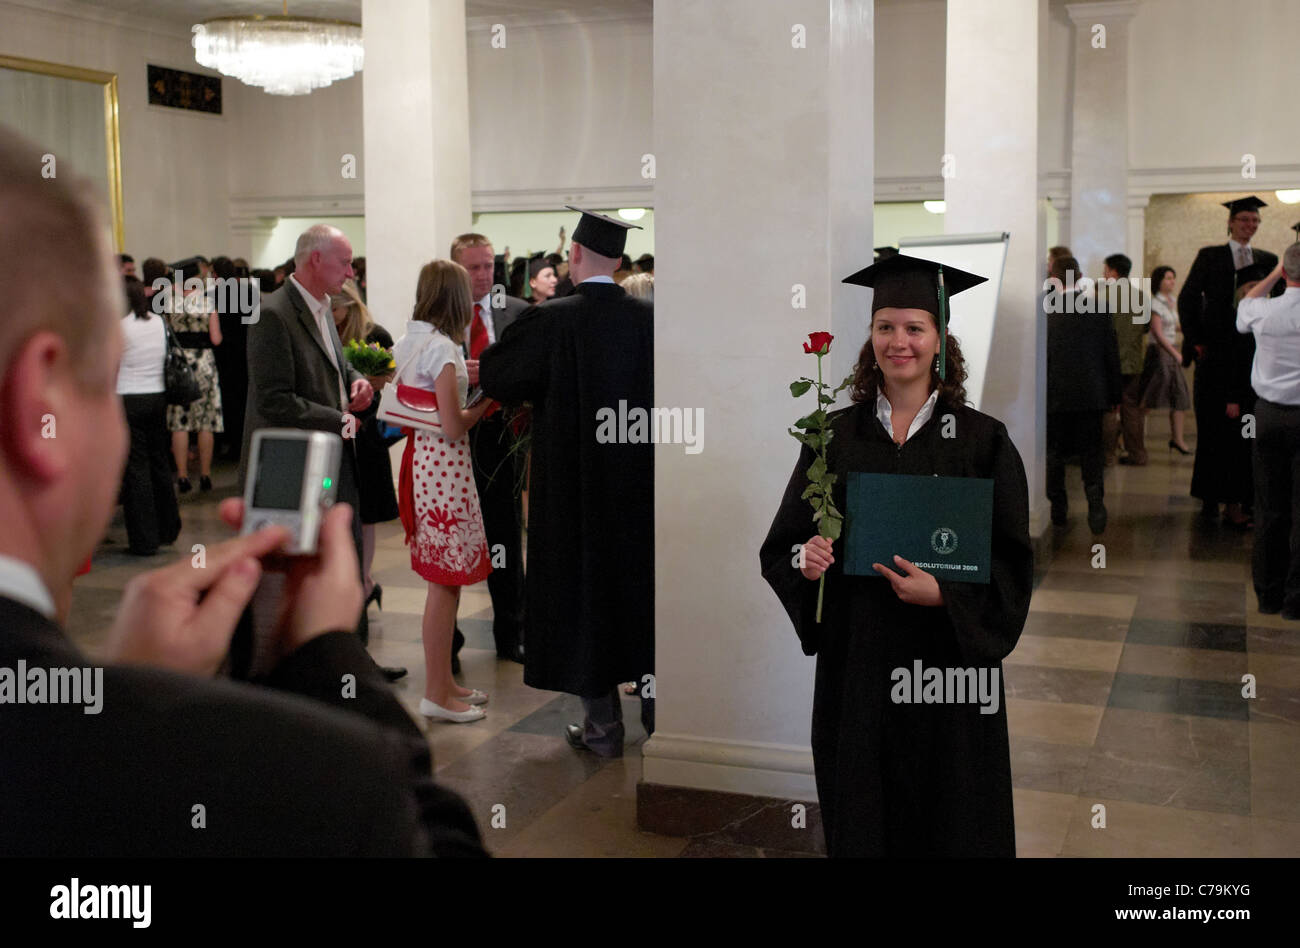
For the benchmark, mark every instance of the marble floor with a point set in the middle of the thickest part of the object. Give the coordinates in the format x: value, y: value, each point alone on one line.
x: 1124, y: 691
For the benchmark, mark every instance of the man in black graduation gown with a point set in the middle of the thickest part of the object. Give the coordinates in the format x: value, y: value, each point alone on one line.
x: 149, y: 755
x: 590, y: 580
x: 901, y: 779
x: 1221, y: 393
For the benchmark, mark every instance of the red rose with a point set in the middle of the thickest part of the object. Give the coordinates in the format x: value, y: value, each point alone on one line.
x: 821, y: 342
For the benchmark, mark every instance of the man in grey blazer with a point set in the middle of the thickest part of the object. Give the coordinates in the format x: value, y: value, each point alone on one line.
x: 297, y: 374
x: 495, y: 470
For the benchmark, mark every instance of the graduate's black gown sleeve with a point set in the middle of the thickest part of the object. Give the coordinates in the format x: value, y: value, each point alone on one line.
x: 987, y: 619
x: 794, y: 525
x: 513, y: 370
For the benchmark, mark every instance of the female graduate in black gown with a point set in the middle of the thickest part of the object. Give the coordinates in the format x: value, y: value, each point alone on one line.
x: 901, y: 779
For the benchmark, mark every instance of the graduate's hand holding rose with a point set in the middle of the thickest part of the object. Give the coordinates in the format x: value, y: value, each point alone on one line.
x: 817, y: 557
x: 914, y: 585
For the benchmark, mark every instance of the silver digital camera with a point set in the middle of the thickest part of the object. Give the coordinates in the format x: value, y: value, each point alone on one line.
x: 293, y: 479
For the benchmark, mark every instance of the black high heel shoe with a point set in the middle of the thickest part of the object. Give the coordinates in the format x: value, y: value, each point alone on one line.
x: 1173, y: 446
x: 376, y: 596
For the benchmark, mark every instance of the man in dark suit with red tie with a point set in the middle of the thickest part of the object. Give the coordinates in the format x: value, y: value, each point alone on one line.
x: 145, y: 753
x: 1222, y: 394
x: 496, y: 467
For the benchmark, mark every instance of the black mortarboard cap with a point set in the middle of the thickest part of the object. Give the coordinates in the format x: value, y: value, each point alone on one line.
x: 1296, y: 228
x: 537, y: 263
x: 912, y: 283
x: 883, y: 252
x: 189, y: 267
x: 1251, y: 203
x: 1252, y: 273
x: 601, y: 233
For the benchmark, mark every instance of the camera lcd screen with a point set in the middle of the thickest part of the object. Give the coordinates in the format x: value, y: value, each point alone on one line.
x: 281, y: 465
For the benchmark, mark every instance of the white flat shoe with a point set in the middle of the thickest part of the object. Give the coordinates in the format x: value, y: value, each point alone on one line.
x: 438, y: 712
x: 474, y: 697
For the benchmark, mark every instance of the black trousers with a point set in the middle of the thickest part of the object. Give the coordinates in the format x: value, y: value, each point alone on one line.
x: 495, y: 473
x: 149, y: 504
x: 1275, y: 561
x: 602, y: 729
x: 1070, y: 432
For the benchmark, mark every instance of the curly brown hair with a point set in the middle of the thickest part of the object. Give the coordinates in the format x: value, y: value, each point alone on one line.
x: 868, y: 379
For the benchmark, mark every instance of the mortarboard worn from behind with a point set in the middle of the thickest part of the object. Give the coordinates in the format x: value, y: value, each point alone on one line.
x: 884, y: 252
x: 189, y: 267
x: 1296, y: 228
x: 912, y: 283
x: 1251, y: 273
x: 601, y: 233
x: 1251, y: 203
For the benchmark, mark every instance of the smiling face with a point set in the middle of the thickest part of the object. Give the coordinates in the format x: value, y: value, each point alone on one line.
x: 1167, y: 283
x: 1242, y: 226
x: 905, y: 342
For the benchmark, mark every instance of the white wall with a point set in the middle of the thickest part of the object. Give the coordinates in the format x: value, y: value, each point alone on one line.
x: 563, y: 108
x: 1210, y: 81
x: 174, y: 163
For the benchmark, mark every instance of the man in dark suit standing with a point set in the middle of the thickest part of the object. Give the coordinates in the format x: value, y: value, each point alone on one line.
x: 1083, y: 383
x: 148, y: 755
x: 298, y: 376
x: 591, y: 496
x: 496, y: 467
x: 1221, y: 393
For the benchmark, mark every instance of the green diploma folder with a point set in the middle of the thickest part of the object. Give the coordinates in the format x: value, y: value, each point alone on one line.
x: 944, y: 525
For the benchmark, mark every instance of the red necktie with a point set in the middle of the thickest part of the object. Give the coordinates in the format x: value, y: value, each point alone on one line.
x: 478, y: 334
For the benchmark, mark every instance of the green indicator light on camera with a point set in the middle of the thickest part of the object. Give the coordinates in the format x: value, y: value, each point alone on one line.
x: 329, y: 482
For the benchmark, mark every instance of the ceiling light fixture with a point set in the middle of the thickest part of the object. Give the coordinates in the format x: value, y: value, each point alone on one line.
x: 282, y: 55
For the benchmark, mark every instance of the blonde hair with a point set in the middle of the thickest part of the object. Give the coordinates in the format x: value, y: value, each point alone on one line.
x: 442, y: 297
x: 640, y: 284
x: 465, y: 241
x: 357, y: 323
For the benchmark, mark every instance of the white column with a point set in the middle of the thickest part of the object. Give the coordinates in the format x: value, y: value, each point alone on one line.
x: 991, y: 130
x: 1099, y: 153
x: 764, y: 155
x: 417, y: 157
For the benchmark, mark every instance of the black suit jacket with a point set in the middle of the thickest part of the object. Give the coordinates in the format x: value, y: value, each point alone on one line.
x: 276, y: 769
x: 1082, y: 361
x: 291, y: 381
x: 1208, y: 314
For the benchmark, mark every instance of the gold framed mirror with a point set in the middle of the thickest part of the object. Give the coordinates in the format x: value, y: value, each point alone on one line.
x: 61, y: 109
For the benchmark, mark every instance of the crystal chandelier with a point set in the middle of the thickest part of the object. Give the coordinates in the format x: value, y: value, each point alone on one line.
x: 283, y: 55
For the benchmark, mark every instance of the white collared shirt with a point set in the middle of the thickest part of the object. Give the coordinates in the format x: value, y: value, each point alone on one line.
x: 1242, y: 255
x: 885, y: 412
x: 20, y: 582
x: 1275, y: 373
x: 599, y: 278
x: 323, y: 313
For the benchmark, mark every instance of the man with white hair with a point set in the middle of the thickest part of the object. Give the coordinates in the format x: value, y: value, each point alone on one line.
x: 1275, y: 377
x: 297, y: 374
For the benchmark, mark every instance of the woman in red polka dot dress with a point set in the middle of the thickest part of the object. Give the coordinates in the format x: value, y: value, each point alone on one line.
x: 436, y: 494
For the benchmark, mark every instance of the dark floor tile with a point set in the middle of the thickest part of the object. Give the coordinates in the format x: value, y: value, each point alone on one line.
x: 551, y: 718
x: 527, y: 773
x: 1060, y: 624
x: 1224, y: 637
x: 1179, y: 696
x: 712, y: 849
x: 1274, y: 641
x: 1073, y: 686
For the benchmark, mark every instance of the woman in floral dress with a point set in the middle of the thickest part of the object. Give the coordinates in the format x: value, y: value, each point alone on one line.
x: 438, y: 500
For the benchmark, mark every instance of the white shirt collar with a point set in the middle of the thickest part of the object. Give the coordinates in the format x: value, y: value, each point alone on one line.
x: 885, y: 411
x: 1234, y: 245
x: 315, y: 305
x: 601, y: 278
x: 20, y: 581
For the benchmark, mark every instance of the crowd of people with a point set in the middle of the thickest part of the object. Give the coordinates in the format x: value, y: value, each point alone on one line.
x: 240, y: 657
